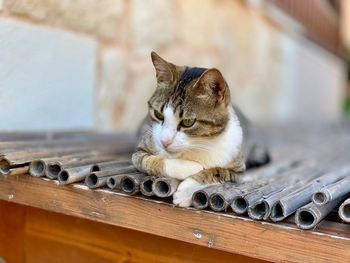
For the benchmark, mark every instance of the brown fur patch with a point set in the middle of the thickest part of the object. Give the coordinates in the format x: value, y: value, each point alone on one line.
x: 232, y: 173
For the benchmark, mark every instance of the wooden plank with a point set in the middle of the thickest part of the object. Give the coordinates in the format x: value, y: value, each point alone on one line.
x: 218, y: 231
x: 12, y: 218
x: 53, y: 237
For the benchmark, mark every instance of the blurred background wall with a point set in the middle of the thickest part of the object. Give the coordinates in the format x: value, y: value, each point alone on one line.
x: 86, y: 63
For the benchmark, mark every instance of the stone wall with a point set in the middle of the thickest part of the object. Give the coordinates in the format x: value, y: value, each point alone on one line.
x: 97, y: 54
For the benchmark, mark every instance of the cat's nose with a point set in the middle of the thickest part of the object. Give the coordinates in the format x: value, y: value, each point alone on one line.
x: 166, y: 142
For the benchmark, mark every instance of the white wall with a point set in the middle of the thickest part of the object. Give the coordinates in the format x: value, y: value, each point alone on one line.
x: 47, y: 78
x: 312, y: 83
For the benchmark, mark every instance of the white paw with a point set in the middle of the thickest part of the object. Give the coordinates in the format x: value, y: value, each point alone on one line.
x: 181, y: 169
x: 183, y: 195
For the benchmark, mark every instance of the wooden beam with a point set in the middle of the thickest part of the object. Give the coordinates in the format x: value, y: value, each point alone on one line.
x: 220, y: 231
x: 56, y: 238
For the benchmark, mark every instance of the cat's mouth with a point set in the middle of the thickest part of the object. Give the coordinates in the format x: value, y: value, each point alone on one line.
x: 172, y: 150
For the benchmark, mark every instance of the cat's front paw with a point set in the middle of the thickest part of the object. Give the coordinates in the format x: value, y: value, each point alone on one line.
x: 183, y: 195
x: 181, y: 169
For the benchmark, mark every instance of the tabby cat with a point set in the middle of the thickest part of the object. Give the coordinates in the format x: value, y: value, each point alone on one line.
x: 192, y: 132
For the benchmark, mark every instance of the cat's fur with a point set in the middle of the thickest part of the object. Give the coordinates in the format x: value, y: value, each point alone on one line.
x: 210, y: 151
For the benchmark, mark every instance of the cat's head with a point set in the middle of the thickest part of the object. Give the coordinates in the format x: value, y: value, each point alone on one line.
x: 189, y: 106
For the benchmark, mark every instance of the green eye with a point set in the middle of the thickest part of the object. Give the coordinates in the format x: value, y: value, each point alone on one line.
x: 158, y: 115
x: 187, y: 122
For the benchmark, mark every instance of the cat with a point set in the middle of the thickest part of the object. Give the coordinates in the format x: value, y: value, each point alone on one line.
x: 191, y: 132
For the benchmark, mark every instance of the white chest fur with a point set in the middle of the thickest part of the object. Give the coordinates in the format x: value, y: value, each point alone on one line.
x: 221, y: 150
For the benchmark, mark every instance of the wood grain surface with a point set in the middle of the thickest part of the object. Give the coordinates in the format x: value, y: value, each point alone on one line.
x: 223, y: 232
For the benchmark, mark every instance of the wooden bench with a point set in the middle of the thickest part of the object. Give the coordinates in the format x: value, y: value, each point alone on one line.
x: 42, y: 221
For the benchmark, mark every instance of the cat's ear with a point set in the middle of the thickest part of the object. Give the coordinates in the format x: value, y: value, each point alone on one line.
x: 213, y: 81
x: 164, y: 69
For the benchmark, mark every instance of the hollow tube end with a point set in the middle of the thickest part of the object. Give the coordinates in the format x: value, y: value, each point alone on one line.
x: 161, y: 188
x: 239, y: 205
x: 277, y: 212
x: 200, y: 200
x: 305, y: 219
x: 37, y: 168
x: 146, y: 187
x: 320, y: 198
x: 5, y: 166
x: 63, y: 177
x: 128, y: 185
x: 91, y: 180
x: 217, y: 202
x: 344, y: 212
x: 53, y: 170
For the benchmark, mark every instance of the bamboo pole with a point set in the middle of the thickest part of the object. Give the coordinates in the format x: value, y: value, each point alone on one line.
x: 261, y: 209
x: 200, y: 198
x: 291, y: 202
x: 107, y: 166
x: 73, y: 174
x: 98, y: 179
x: 125, y: 182
x: 20, y: 148
x: 243, y: 200
x: 76, y: 174
x: 7, y: 167
x: 205, y: 197
x: 14, y: 155
x: 9, y: 162
x: 146, y: 185
x: 53, y: 166
x: 333, y: 191
x: 130, y: 183
x: 310, y: 215
x: 165, y: 186
x: 272, y: 169
x: 113, y: 182
x: 38, y: 168
x: 299, y: 158
x: 344, y: 211
x: 222, y: 199
x: 219, y: 202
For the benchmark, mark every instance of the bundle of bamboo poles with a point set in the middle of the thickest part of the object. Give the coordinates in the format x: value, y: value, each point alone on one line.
x: 70, y: 148
x: 96, y: 159
x: 308, y: 178
x: 310, y: 185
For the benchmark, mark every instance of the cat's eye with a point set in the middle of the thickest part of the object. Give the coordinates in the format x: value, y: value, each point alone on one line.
x: 158, y: 115
x: 187, y: 122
